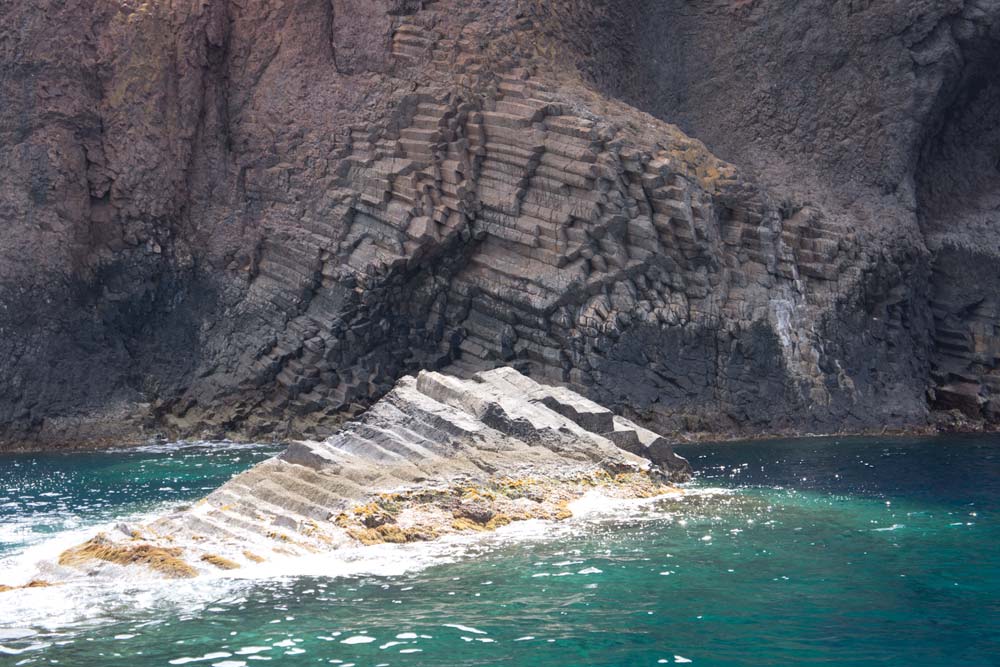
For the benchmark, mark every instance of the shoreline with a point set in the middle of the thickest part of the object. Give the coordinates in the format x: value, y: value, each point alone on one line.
x: 436, y: 455
x: 418, y: 515
x: 92, y: 447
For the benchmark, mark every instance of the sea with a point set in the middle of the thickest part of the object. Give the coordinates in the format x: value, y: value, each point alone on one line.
x: 817, y: 551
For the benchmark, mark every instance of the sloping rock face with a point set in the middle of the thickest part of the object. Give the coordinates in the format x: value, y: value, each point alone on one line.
x: 436, y: 455
x: 250, y: 219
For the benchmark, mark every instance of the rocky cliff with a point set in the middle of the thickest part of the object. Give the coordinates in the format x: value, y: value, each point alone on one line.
x: 250, y: 218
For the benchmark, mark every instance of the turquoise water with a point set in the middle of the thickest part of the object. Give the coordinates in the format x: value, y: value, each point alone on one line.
x: 821, y: 551
x: 42, y: 495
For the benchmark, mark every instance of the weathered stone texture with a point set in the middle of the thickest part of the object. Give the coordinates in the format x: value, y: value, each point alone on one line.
x: 432, y: 455
x: 250, y: 219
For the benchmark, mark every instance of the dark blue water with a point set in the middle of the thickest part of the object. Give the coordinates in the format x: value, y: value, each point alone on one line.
x: 815, y: 552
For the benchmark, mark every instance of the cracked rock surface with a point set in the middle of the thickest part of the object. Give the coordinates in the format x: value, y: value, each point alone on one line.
x: 436, y: 455
x: 248, y: 220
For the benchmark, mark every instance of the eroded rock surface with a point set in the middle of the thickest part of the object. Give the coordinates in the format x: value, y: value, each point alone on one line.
x: 436, y: 455
x: 250, y: 219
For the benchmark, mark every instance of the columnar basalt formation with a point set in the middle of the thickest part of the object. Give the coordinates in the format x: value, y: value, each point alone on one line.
x: 881, y: 114
x: 436, y: 455
x: 251, y: 219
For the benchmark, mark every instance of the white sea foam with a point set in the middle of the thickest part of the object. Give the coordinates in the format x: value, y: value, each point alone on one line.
x: 36, y: 560
x: 6, y: 650
x: 465, y: 628
x: 207, y: 656
x: 188, y: 445
x: 595, y: 505
x: 894, y: 526
x: 135, y: 592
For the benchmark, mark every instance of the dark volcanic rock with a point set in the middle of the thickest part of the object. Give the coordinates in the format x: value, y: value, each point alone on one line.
x: 250, y: 219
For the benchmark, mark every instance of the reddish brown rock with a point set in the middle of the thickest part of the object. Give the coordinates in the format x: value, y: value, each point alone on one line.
x: 248, y: 219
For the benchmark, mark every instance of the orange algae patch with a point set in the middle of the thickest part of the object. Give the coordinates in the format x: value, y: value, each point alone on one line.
x: 392, y: 534
x: 220, y: 562
x: 34, y: 583
x: 165, y: 560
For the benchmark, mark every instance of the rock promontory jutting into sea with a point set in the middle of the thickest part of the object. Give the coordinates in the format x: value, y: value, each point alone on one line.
x: 436, y: 455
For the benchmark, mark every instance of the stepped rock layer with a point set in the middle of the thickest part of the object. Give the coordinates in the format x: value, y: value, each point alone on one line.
x: 436, y: 455
x: 249, y: 219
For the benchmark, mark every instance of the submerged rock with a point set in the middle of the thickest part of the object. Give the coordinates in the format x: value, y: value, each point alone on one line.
x: 436, y: 455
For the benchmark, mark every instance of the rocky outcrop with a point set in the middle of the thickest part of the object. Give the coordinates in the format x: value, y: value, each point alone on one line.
x: 436, y: 455
x: 250, y: 219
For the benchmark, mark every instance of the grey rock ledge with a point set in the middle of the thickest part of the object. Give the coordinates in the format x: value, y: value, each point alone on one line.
x: 431, y: 433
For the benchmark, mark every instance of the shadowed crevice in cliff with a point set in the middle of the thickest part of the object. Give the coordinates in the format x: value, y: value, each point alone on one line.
x: 959, y: 195
x: 788, y: 89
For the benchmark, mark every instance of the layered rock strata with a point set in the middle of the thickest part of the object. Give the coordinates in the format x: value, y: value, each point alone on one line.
x: 250, y: 219
x: 436, y: 455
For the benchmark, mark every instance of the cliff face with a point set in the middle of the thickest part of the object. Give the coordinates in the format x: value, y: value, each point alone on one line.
x: 249, y: 219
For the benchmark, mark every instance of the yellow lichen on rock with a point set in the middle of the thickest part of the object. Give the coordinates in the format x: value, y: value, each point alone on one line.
x: 392, y: 533
x: 462, y: 524
x: 310, y: 528
x: 499, y: 520
x: 366, y: 510
x: 275, y: 535
x: 384, y: 533
x: 486, y: 505
x: 377, y: 513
